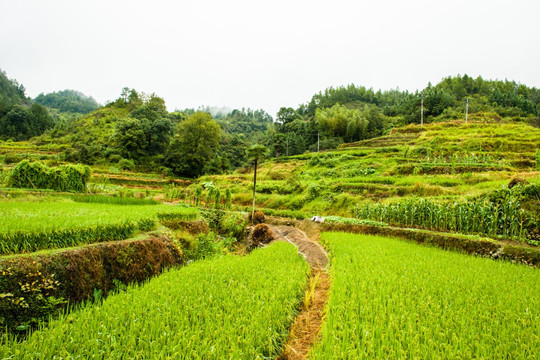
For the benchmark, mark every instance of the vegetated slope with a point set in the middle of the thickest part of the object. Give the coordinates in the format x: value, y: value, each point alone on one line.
x: 447, y: 161
x: 443, y: 162
x: 228, y: 308
x: 392, y: 299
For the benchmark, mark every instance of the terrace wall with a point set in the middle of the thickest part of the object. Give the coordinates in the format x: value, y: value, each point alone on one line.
x: 36, y: 285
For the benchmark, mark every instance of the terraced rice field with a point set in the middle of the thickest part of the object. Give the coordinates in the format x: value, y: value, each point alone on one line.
x: 227, y: 308
x: 392, y: 299
x: 30, y: 226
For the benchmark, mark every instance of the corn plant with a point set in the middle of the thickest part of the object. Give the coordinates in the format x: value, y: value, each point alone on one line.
x: 228, y: 199
x: 483, y: 217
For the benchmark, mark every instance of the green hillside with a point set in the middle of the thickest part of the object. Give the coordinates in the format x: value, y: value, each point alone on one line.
x: 446, y: 163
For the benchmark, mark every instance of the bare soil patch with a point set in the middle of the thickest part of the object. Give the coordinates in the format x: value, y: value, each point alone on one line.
x: 313, y: 252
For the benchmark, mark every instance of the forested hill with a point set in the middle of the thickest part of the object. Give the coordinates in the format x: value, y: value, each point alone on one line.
x: 11, y: 93
x: 70, y: 101
x: 506, y: 98
x: 136, y: 131
x: 21, y: 118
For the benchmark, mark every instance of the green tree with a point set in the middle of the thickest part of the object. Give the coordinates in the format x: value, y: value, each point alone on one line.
x: 194, y: 145
x: 21, y: 123
x: 286, y: 115
x: 130, y: 137
x: 279, y: 144
x: 255, y: 153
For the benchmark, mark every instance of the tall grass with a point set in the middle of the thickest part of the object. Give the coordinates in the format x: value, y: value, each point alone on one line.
x: 486, y: 218
x: 397, y: 300
x: 228, y: 308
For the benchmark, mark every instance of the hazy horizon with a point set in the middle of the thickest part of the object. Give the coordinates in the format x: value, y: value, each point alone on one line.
x: 262, y: 55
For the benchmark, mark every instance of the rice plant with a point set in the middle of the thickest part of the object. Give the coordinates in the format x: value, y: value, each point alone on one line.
x: 227, y: 308
x: 392, y: 299
x: 352, y: 221
x: 31, y: 226
x: 113, y: 200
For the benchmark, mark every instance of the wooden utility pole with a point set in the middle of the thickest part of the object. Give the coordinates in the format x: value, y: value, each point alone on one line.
x: 422, y: 112
x: 254, y: 187
x: 467, y: 110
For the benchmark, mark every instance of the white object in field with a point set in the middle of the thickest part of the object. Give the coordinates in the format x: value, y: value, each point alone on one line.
x: 317, y: 219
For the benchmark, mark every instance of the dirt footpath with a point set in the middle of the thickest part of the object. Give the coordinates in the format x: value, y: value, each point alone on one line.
x: 305, y: 330
x: 312, y: 251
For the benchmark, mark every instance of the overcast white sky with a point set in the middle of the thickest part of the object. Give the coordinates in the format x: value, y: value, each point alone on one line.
x: 262, y: 54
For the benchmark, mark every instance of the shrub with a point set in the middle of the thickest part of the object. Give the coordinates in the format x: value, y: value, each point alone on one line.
x: 205, y: 247
x: 11, y: 159
x: 314, y: 191
x: 177, y: 216
x: 233, y: 225
x: 212, y: 217
x: 126, y: 164
x: 257, y: 218
x: 261, y: 234
x: 38, y: 176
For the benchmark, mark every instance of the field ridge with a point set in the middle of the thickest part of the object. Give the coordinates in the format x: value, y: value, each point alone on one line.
x: 305, y: 330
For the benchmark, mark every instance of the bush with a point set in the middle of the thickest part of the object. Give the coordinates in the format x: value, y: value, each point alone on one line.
x: 261, y: 234
x: 205, y: 247
x: 258, y: 217
x: 314, y: 191
x: 38, y: 176
x: 11, y: 159
x: 126, y: 164
x: 233, y: 225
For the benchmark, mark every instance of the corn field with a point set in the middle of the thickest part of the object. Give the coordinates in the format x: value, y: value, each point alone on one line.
x: 507, y: 220
x: 31, y: 226
x: 226, y: 308
x: 392, y: 299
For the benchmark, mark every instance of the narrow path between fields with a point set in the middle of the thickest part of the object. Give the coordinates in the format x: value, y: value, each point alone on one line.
x: 306, y: 327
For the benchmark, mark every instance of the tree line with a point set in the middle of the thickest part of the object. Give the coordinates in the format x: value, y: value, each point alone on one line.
x: 136, y: 131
